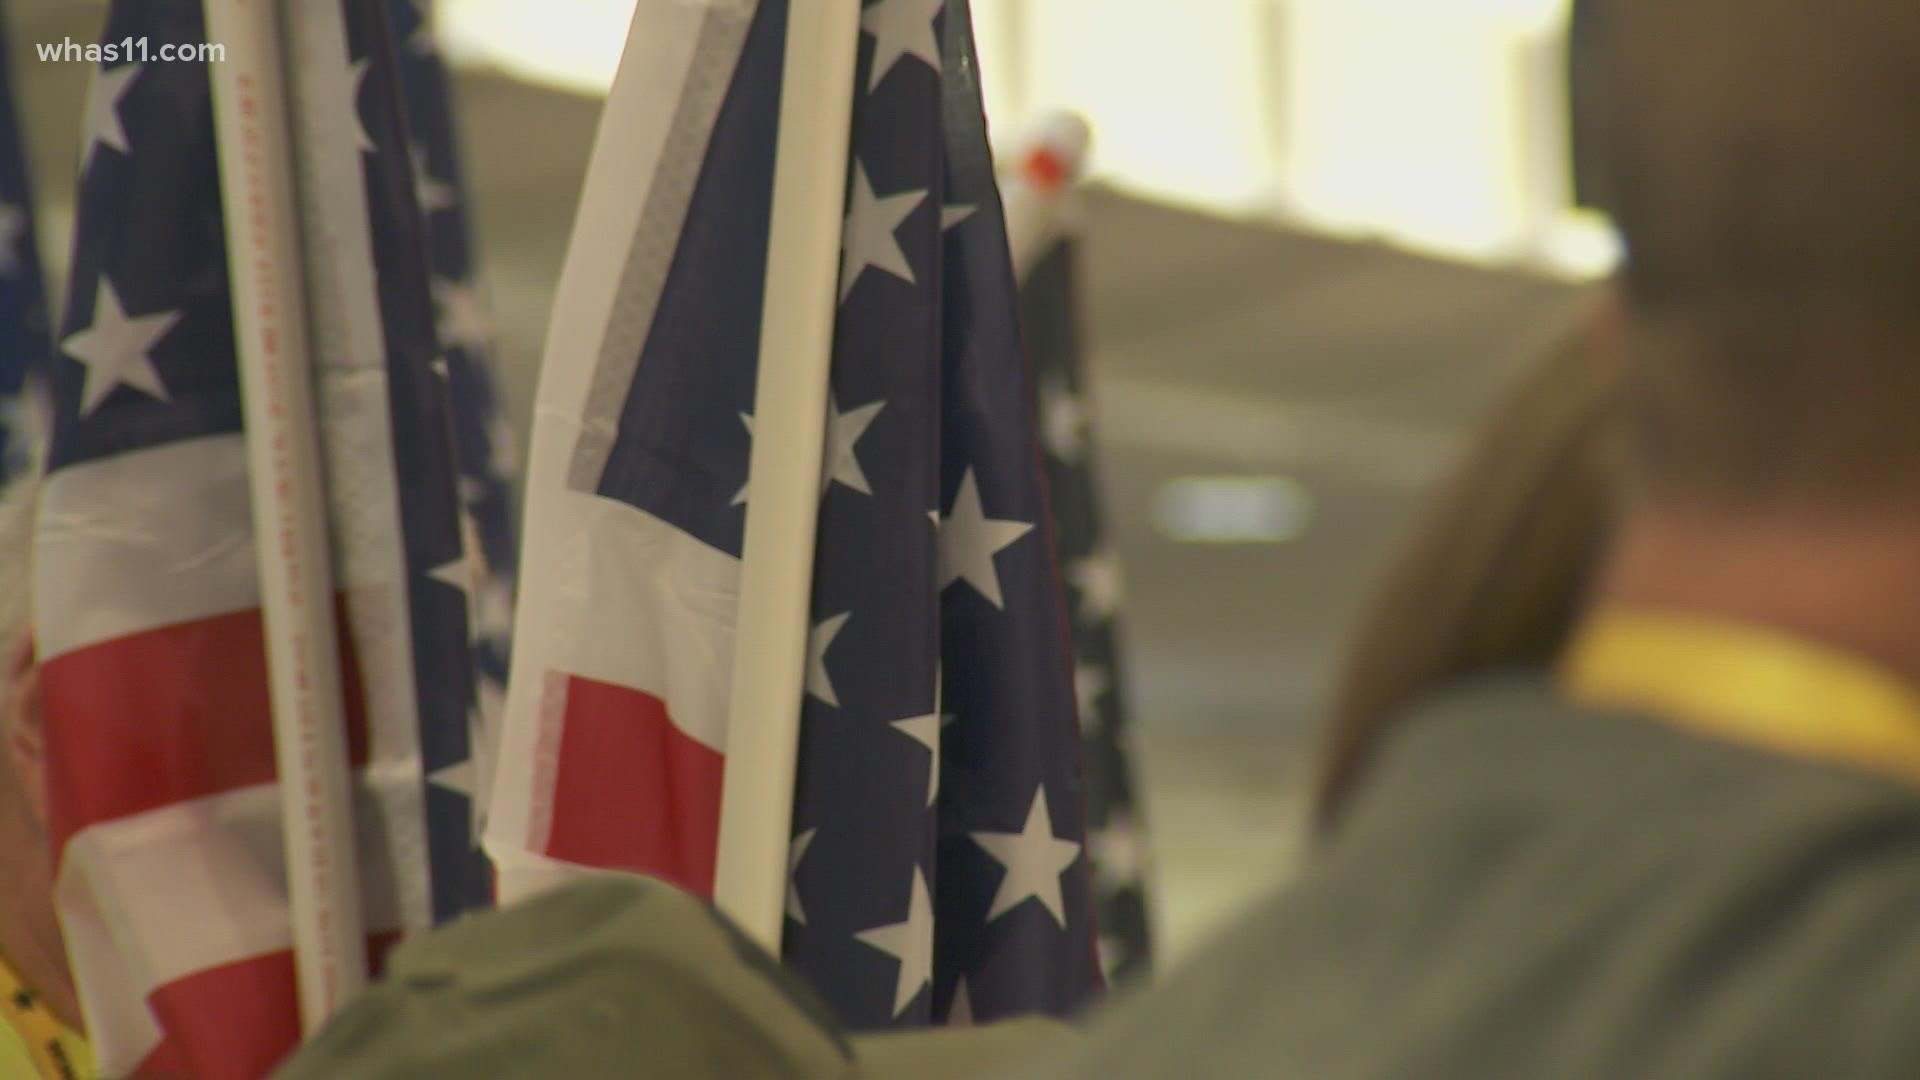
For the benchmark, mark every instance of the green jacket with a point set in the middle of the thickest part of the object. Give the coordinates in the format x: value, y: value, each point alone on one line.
x: 618, y: 977
x: 1527, y: 889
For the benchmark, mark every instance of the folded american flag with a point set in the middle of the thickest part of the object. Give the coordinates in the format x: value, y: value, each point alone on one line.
x: 483, y: 445
x: 165, y: 811
x: 939, y: 822
x: 1050, y: 301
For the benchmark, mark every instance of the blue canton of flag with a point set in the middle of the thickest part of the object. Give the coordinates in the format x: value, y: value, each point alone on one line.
x: 1017, y: 927
x: 483, y: 443
x: 939, y: 866
x: 865, y: 856
x: 24, y: 343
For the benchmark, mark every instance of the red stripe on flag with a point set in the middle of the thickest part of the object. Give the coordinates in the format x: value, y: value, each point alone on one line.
x: 176, y: 713
x: 233, y: 1021
x: 633, y: 792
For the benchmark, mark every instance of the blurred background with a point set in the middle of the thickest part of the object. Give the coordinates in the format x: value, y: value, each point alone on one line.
x: 1321, y: 236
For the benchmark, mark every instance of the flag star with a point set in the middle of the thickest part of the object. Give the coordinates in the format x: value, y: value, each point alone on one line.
x: 104, y: 92
x: 346, y: 81
x: 901, y: 28
x: 925, y: 730
x: 868, y: 239
x: 1090, y: 684
x: 910, y: 942
x: 460, y: 777
x: 740, y: 497
x: 794, y: 854
x: 489, y: 597
x: 1034, y: 859
x: 492, y: 609
x: 839, y: 461
x: 115, y: 349
x: 463, y: 320
x: 13, y: 229
x: 819, y: 683
x: 421, y: 42
x: 432, y: 193
x: 955, y: 214
x: 1063, y: 420
x: 457, y: 573
x: 844, y: 430
x: 464, y: 572
x: 1118, y: 857
x: 960, y: 1009
x: 969, y: 540
x: 1097, y: 576
x: 474, y: 490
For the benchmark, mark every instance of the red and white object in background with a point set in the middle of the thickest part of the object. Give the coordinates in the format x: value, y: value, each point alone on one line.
x: 1036, y: 181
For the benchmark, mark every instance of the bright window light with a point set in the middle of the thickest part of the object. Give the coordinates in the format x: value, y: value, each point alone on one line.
x: 1232, y: 509
x: 570, y: 44
x: 1177, y: 95
x: 1439, y: 127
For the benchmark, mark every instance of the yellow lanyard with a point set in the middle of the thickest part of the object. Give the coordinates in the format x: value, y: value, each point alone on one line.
x: 57, y: 1051
x: 1746, y: 684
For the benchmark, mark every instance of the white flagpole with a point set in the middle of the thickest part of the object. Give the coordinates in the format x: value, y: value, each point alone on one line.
x: 289, y: 504
x: 789, y: 435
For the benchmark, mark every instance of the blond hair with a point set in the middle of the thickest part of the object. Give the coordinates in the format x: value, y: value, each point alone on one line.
x: 1494, y: 573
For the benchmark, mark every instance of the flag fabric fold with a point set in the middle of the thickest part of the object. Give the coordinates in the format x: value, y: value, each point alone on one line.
x: 484, y: 446
x: 1117, y: 845
x: 165, y: 812
x: 937, y: 862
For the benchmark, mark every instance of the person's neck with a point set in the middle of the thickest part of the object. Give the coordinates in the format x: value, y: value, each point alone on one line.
x: 30, y: 938
x: 1844, y: 577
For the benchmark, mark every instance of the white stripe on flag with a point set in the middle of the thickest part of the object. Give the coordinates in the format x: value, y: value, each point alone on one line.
x: 153, y: 898
x: 116, y: 554
x: 656, y: 614
x: 639, y: 604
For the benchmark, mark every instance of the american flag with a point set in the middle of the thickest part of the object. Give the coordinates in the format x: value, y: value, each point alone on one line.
x: 1050, y: 302
x: 165, y: 814
x: 937, y: 857
x: 483, y: 443
x: 24, y: 344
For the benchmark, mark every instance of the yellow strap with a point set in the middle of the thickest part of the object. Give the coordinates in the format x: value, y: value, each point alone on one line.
x: 57, y: 1052
x: 1749, y: 685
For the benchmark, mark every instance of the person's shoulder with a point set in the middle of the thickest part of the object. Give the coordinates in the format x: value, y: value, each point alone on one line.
x: 1823, y: 976
x: 1236, y: 1007
x: 582, y: 980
